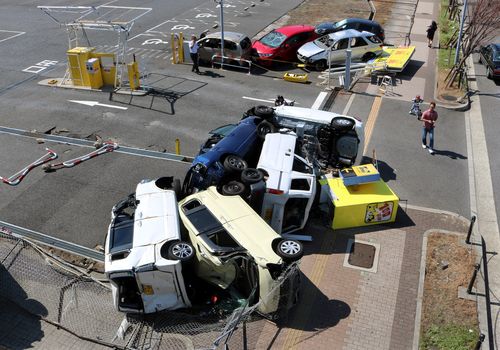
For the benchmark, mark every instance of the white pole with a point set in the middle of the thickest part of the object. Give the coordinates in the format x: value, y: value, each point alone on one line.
x: 329, y: 68
x: 347, y: 80
x: 221, y: 4
x: 457, y: 52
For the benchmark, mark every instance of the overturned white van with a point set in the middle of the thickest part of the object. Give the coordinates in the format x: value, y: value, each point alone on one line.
x: 144, y: 251
x: 290, y: 184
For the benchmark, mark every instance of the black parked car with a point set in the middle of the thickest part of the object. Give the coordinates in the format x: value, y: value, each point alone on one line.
x: 490, y: 56
x: 360, y: 24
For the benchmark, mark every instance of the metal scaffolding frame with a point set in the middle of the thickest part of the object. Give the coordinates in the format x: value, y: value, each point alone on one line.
x: 76, y: 19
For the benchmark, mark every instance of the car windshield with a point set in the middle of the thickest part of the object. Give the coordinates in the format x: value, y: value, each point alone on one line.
x: 122, y: 235
x: 223, y: 130
x: 273, y: 39
x: 324, y: 41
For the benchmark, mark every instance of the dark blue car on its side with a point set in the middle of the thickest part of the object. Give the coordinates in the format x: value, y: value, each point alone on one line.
x: 224, y: 156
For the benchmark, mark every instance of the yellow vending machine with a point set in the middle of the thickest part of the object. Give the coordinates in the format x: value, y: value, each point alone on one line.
x: 94, y: 73
x: 77, y: 60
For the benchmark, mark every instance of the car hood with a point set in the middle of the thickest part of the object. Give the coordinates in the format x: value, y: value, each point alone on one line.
x: 310, y: 49
x: 261, y: 48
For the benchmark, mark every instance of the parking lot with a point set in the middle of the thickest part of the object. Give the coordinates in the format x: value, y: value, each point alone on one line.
x: 74, y: 203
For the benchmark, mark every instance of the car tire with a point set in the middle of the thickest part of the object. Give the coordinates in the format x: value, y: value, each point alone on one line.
x: 320, y: 65
x: 182, y: 251
x: 290, y: 250
x: 367, y: 56
x: 263, y: 111
x: 265, y: 128
x: 233, y: 163
x: 342, y: 124
x: 251, y: 175
x: 233, y: 188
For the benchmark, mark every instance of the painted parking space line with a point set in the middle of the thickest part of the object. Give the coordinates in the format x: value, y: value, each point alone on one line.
x: 10, y: 34
x: 319, y: 100
x: 258, y: 99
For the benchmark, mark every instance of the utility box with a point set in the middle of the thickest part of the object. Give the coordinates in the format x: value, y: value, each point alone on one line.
x: 362, y: 205
x: 108, y: 67
x: 77, y: 63
x: 93, y: 67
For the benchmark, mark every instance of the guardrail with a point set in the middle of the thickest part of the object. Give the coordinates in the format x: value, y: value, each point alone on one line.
x: 231, y: 61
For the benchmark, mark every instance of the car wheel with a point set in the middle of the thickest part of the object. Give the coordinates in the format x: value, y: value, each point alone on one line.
x: 182, y: 251
x: 367, y: 56
x: 263, y: 111
x: 265, y: 128
x: 290, y: 250
x: 489, y: 74
x: 233, y: 188
x: 234, y: 163
x: 251, y: 176
x: 320, y: 65
x: 342, y: 124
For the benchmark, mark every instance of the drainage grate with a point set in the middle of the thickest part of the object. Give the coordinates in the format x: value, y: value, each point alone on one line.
x: 362, y: 255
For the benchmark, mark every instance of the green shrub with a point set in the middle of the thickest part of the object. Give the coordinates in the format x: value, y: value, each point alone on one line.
x: 449, y: 337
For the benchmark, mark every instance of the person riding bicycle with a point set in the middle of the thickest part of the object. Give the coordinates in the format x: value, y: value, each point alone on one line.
x: 415, y: 106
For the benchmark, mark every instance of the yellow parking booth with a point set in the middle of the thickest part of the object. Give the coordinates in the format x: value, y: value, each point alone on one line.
x: 363, y: 204
x: 77, y: 64
x: 94, y: 72
x: 133, y: 75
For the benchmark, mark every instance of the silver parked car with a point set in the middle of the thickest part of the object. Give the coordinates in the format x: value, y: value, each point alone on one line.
x: 364, y: 46
x: 236, y: 46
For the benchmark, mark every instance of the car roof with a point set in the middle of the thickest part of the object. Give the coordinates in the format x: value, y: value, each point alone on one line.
x: 308, y: 114
x: 294, y: 29
x: 232, y: 36
x: 360, y: 20
x: 349, y: 33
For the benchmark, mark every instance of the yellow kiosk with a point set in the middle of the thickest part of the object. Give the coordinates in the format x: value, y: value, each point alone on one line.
x: 368, y: 202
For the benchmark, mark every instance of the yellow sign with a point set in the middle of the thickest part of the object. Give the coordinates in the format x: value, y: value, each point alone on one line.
x: 378, y: 212
x: 395, y: 58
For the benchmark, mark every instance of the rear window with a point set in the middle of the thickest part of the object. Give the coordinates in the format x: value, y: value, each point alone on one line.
x: 374, y: 39
x: 273, y: 39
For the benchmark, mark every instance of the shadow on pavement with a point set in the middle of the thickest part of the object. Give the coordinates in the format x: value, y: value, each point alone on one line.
x: 20, y: 317
x: 411, y: 69
x: 449, y: 154
x: 314, y: 311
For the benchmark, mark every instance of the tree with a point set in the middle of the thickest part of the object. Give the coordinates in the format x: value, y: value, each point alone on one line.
x: 481, y: 24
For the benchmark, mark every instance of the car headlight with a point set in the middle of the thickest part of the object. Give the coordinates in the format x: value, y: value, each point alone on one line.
x: 200, y: 168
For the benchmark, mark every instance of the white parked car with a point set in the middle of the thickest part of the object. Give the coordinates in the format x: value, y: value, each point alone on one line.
x: 364, y: 46
x: 144, y: 250
x: 290, y: 184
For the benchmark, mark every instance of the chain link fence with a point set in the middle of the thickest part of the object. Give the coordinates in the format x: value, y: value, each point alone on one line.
x: 66, y: 296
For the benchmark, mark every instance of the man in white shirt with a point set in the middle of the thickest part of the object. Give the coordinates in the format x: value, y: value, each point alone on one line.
x: 193, y: 52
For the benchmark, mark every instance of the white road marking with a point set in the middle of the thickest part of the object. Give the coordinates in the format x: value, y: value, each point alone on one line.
x: 95, y: 103
x: 319, y: 100
x: 12, y: 36
x: 258, y: 99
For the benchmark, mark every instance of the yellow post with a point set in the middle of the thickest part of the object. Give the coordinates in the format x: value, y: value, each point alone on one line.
x: 177, y: 146
x: 133, y: 75
x: 172, y: 40
x: 181, y: 48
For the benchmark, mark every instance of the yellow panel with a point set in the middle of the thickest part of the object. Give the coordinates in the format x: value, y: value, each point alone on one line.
x: 108, y: 67
x: 396, y: 58
x: 93, y: 66
x: 77, y: 59
x: 362, y: 205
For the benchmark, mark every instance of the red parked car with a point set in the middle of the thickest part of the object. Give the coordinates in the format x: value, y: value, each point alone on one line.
x: 282, y: 44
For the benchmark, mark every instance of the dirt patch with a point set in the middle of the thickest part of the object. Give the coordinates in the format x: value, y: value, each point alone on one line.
x: 452, y: 94
x: 313, y: 12
x: 449, y: 265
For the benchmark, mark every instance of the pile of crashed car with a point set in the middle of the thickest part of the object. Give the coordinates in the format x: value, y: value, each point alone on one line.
x: 226, y: 232
x: 316, y: 46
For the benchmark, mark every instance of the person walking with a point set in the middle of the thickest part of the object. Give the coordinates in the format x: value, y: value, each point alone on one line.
x: 193, y: 52
x: 429, y: 118
x: 430, y: 32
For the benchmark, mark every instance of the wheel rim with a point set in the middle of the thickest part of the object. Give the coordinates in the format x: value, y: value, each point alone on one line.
x: 265, y: 129
x: 182, y: 250
x: 236, y: 163
x: 233, y: 188
x: 253, y: 174
x: 290, y: 247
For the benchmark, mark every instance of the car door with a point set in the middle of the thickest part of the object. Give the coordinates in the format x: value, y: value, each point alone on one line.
x: 359, y: 47
x: 208, y: 48
x: 288, y: 50
x: 338, y: 51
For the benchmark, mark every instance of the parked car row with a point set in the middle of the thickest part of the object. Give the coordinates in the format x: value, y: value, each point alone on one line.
x: 293, y: 42
x: 251, y: 184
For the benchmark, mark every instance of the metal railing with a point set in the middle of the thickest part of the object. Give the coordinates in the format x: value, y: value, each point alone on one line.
x: 231, y: 62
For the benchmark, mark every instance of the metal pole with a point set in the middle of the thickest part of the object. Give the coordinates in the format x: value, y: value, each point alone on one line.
x: 460, y: 32
x: 473, y: 279
x: 472, y: 221
x: 329, y: 68
x: 221, y: 4
x: 347, y: 80
x: 480, y: 341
